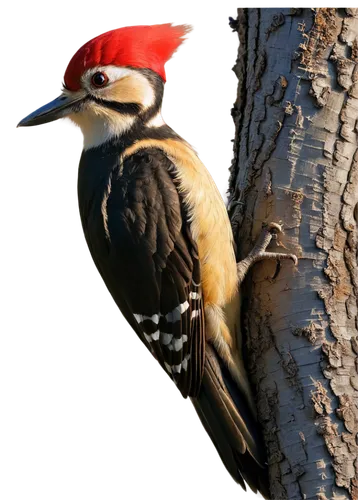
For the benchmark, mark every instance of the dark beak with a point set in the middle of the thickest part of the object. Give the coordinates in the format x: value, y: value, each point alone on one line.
x: 59, y: 108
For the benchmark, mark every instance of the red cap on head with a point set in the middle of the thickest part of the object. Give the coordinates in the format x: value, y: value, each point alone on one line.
x: 138, y: 46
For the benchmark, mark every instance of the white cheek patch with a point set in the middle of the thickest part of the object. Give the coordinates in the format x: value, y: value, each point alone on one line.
x: 156, y: 121
x: 99, y: 124
x: 98, y: 128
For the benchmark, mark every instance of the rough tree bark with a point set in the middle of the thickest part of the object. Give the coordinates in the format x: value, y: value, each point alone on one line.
x: 296, y: 162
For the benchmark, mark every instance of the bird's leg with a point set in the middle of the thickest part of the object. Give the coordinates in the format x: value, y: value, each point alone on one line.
x: 259, y: 251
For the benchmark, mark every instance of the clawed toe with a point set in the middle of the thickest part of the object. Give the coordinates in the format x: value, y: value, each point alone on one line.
x: 259, y: 251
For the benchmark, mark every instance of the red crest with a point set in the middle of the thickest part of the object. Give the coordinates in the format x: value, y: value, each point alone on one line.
x: 141, y: 45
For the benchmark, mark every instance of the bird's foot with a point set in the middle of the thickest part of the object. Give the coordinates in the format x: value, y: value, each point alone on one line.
x: 258, y: 253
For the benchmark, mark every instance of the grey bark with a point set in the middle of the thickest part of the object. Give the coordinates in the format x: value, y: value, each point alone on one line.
x: 296, y: 162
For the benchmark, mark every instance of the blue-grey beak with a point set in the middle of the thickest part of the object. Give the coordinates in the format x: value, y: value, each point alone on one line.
x: 58, y: 108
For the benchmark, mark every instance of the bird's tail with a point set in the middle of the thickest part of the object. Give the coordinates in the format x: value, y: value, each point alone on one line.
x: 228, y: 419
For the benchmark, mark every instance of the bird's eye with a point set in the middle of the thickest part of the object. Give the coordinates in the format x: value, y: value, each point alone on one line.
x: 99, y: 79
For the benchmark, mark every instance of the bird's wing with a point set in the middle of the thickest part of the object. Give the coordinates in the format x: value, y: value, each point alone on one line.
x: 138, y: 231
x: 151, y: 250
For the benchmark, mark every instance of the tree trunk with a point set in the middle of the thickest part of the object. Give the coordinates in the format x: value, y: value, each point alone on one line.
x: 296, y: 162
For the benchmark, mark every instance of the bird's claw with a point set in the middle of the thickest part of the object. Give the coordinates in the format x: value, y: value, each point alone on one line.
x: 275, y: 256
x: 259, y: 251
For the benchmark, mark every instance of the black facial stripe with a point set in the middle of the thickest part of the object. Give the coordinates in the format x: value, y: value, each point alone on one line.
x: 150, y: 113
x: 132, y: 108
x: 125, y: 108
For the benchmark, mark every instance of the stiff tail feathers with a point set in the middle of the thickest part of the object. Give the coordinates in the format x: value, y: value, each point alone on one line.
x: 233, y: 429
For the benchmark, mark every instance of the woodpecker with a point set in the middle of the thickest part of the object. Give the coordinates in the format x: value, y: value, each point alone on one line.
x: 159, y: 234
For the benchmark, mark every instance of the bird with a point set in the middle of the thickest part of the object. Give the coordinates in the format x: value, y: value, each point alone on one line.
x: 159, y: 233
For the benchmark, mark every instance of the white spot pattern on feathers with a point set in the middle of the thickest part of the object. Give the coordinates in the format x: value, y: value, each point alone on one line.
x: 175, y: 314
x: 173, y: 344
x: 182, y: 366
x: 168, y: 367
x: 171, y: 317
x: 152, y: 336
x: 166, y: 338
x: 172, y: 369
x: 142, y: 317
